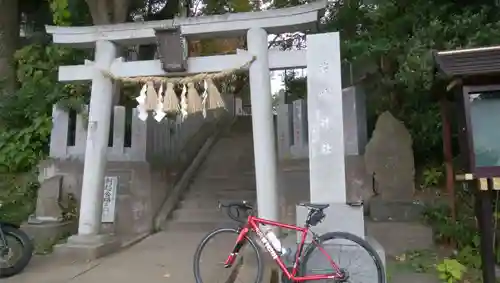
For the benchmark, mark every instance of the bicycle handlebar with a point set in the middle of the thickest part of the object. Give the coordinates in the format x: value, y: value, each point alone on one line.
x: 234, y: 209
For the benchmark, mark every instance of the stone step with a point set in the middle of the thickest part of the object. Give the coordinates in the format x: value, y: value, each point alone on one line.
x: 224, y: 185
x: 403, y: 276
x: 196, y: 226
x: 225, y: 178
x: 208, y: 202
x: 214, y: 164
x: 219, y: 189
x: 401, y: 211
x: 398, y: 237
x: 200, y: 215
x: 218, y: 194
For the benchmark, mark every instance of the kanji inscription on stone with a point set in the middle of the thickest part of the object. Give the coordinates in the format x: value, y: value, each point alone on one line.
x: 109, y: 199
x: 325, y: 117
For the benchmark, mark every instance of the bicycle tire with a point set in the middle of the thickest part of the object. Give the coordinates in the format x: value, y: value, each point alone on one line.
x: 27, y: 252
x: 209, y: 236
x: 346, y: 236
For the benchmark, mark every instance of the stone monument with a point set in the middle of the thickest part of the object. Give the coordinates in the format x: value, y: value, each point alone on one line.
x: 389, y: 158
x: 50, y: 222
x: 327, y: 145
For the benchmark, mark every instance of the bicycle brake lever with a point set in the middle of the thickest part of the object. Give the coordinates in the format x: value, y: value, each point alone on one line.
x: 219, y: 206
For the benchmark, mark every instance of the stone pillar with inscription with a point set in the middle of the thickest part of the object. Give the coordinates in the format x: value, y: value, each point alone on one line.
x: 327, y: 148
x: 299, y: 148
x: 283, y: 126
x: 326, y: 135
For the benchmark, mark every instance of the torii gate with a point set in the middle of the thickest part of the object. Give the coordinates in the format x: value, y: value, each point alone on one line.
x: 256, y: 25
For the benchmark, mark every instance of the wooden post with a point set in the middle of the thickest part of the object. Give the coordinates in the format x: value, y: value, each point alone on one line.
x: 448, y: 155
x: 484, y: 214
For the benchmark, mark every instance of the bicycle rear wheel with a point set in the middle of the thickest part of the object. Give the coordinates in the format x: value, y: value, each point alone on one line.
x: 368, y: 268
x: 215, y: 248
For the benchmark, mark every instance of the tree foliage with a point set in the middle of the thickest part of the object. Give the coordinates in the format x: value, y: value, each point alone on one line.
x: 390, y: 43
x: 26, y: 116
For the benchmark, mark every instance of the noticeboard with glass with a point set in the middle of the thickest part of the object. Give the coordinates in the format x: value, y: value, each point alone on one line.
x: 482, y: 125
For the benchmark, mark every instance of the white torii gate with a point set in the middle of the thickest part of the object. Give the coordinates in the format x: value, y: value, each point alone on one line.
x: 256, y: 25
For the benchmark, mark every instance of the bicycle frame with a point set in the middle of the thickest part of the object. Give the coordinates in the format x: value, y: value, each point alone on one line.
x: 253, y: 225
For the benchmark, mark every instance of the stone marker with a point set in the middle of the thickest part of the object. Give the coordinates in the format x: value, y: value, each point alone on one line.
x: 359, y: 184
x: 389, y: 156
x: 47, y: 206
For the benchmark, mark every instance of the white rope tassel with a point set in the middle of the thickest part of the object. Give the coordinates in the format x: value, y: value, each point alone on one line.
x: 151, y: 96
x: 204, y: 99
x: 215, y: 100
x: 184, y: 105
x: 141, y: 99
x: 193, y: 99
x: 170, y: 100
x: 160, y: 114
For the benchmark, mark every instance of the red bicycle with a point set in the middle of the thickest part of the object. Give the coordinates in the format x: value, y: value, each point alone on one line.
x: 306, y: 266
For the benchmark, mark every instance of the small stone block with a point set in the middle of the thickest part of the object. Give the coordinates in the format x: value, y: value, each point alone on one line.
x: 49, y: 232
x: 83, y: 248
x: 48, y: 198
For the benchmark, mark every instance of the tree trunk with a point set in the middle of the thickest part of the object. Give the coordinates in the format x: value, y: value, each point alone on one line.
x: 9, y: 39
x: 147, y: 52
x: 105, y: 12
x: 99, y: 11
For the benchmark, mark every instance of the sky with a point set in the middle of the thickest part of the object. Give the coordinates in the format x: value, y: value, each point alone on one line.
x: 276, y: 81
x: 277, y: 76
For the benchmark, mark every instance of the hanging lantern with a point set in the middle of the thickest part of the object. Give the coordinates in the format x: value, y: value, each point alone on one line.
x: 173, y: 50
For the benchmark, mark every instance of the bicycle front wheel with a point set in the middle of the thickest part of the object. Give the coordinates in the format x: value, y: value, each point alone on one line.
x: 213, y: 251
x: 353, y: 256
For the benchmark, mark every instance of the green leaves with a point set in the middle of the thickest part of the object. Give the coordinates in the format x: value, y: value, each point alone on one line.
x: 61, y: 15
x: 450, y: 270
x: 390, y: 43
x: 26, y: 123
x: 21, y: 150
x: 37, y: 67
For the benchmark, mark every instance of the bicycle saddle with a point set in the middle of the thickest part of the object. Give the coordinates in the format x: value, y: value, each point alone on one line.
x: 317, y: 206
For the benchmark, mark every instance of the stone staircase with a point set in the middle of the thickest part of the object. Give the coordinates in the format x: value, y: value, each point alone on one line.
x: 226, y: 174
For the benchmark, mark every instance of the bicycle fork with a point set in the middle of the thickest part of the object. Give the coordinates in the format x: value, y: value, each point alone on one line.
x: 4, y: 249
x: 240, y: 241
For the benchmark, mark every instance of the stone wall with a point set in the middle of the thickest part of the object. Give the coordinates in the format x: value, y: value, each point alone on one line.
x: 146, y: 167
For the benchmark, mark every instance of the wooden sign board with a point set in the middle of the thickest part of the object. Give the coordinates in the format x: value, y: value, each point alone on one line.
x: 172, y: 47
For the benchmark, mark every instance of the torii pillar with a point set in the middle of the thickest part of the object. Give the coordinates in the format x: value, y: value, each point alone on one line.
x: 101, y: 104
x: 266, y: 166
